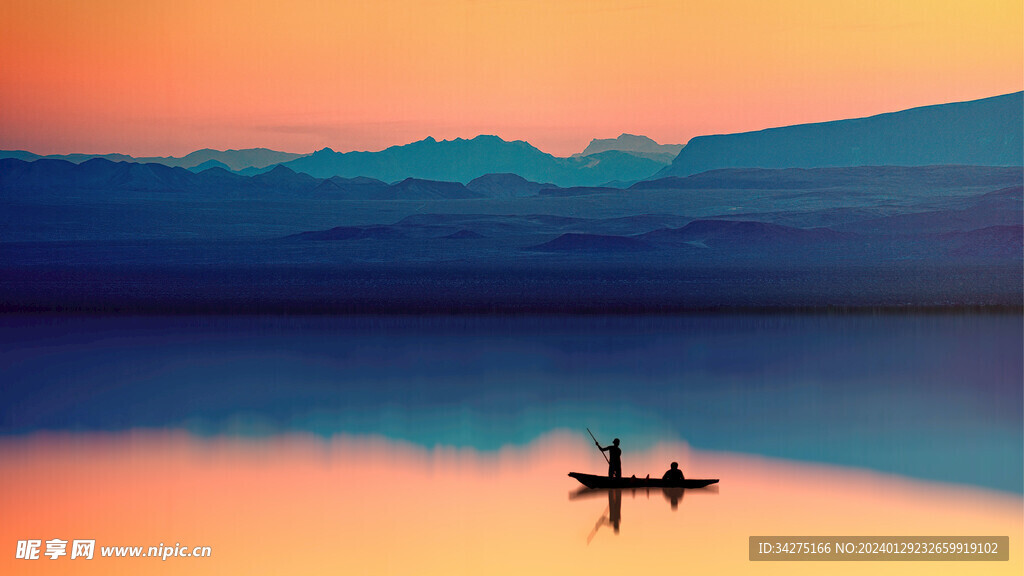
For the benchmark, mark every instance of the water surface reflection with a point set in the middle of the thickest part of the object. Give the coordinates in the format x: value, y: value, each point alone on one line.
x: 906, y: 394
x: 612, y: 516
x: 298, y: 504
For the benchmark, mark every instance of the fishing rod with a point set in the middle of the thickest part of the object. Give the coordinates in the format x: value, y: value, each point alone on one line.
x: 599, y: 446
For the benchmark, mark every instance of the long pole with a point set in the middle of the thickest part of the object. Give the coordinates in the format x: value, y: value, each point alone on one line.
x: 599, y: 446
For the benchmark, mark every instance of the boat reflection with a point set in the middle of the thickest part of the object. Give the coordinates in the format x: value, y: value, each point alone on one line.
x: 673, y: 495
x: 612, y: 515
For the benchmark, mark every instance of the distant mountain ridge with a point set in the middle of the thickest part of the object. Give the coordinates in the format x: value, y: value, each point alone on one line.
x: 114, y: 178
x: 986, y: 132
x: 456, y: 160
x: 46, y: 177
x: 201, y: 159
x: 641, y: 146
x: 462, y: 160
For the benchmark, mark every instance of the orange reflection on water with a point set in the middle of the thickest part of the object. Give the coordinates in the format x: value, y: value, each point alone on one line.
x: 303, y: 505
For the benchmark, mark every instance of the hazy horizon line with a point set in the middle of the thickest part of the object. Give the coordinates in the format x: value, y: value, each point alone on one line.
x: 496, y: 135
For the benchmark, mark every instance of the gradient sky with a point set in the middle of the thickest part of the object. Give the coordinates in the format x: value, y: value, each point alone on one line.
x: 165, y: 78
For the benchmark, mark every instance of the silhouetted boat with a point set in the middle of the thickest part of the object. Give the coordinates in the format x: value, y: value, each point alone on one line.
x: 594, y: 481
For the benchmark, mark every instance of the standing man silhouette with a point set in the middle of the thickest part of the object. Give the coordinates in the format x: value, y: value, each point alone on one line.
x: 614, y: 458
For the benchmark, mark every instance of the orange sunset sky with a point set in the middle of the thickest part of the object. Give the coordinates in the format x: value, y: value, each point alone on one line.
x: 166, y: 78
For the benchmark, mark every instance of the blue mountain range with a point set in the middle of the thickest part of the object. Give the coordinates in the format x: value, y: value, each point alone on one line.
x: 463, y: 160
x: 985, y: 132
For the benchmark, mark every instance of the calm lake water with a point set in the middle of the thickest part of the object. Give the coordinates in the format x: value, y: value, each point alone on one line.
x: 426, y: 444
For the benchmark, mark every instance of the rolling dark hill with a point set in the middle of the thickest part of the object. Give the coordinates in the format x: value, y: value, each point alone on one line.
x: 496, y: 225
x: 230, y: 159
x: 891, y: 177
x: 592, y: 243
x: 1001, y: 208
x: 990, y: 242
x: 577, y: 191
x: 219, y: 179
x: 119, y: 178
x: 359, y: 188
x: 209, y: 164
x: 36, y: 174
x: 464, y: 235
x: 506, y: 186
x: 723, y: 232
x: 351, y: 233
x: 416, y: 189
x: 96, y: 174
x: 284, y: 179
x: 985, y: 132
x: 514, y: 229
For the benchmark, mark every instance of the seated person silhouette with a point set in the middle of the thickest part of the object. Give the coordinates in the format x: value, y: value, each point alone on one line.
x: 614, y: 458
x: 674, y: 473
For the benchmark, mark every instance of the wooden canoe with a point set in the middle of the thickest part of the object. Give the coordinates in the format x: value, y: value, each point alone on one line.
x: 595, y: 481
